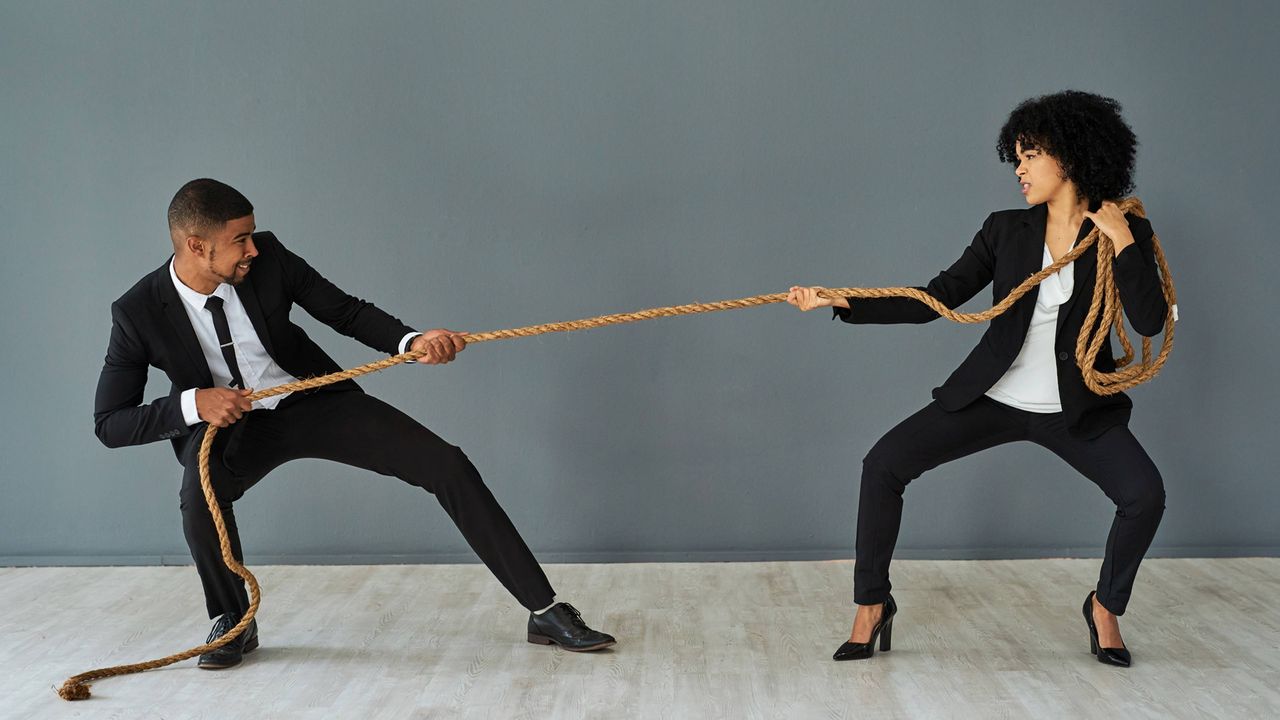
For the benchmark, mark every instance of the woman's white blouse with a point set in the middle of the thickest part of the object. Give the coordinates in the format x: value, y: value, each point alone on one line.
x: 1031, y: 383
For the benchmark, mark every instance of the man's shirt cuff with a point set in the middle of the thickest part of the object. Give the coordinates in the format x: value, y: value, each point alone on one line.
x: 189, y: 413
x: 404, y: 344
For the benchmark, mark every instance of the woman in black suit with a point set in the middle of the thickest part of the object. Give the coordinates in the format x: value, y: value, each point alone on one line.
x: 1073, y: 154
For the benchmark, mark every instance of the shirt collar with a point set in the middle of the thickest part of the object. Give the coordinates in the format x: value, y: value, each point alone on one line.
x: 193, y: 298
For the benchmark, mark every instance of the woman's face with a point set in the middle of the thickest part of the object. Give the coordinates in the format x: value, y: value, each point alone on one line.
x: 1040, y: 175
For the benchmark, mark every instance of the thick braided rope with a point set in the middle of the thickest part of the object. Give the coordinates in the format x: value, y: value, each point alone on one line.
x: 1104, y: 314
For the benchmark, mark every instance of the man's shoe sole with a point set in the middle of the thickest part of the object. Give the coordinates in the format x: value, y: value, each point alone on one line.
x: 537, y: 639
x: 248, y: 648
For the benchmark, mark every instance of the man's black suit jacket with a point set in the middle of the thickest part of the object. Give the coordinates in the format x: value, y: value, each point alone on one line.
x: 1008, y: 249
x: 150, y: 327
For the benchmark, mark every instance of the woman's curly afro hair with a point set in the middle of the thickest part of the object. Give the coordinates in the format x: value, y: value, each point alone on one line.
x: 1084, y: 132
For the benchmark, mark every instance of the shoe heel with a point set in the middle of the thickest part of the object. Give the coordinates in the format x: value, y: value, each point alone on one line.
x: 886, y: 637
x: 537, y: 639
x: 1093, y: 645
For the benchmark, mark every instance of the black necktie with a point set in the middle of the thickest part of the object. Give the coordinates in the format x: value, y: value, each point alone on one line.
x: 214, y: 306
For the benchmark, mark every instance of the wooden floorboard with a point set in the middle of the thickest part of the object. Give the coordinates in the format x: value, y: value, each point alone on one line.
x: 973, y: 639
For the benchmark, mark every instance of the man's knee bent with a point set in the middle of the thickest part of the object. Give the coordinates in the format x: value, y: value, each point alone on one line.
x: 448, y: 470
x: 191, y: 497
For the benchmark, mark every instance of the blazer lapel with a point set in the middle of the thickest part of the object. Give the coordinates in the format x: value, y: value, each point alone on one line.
x: 1086, y: 267
x: 249, y: 298
x: 1031, y: 253
x: 177, y: 316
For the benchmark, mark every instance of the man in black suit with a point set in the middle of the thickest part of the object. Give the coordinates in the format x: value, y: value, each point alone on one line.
x: 220, y: 331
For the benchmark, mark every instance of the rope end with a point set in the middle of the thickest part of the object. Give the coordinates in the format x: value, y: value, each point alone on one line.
x: 73, y: 690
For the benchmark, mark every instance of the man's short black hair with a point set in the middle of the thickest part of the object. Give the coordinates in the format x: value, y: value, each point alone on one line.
x: 1084, y: 132
x: 206, y: 203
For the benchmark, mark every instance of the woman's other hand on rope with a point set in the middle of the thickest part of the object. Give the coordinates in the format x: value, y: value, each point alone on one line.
x: 810, y: 298
x: 439, y: 346
x: 1111, y: 221
x: 222, y: 406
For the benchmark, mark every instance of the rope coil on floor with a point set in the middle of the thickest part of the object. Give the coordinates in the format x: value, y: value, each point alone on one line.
x: 1104, y: 314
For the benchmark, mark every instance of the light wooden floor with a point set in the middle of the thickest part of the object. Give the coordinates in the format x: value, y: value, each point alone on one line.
x: 974, y: 639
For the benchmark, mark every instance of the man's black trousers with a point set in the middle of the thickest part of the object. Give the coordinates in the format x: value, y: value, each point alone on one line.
x: 353, y: 428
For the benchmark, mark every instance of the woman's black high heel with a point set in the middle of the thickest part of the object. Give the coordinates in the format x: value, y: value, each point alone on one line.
x: 1107, y: 656
x: 883, y: 630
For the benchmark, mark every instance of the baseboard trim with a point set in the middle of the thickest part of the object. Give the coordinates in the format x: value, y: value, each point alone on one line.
x: 641, y: 556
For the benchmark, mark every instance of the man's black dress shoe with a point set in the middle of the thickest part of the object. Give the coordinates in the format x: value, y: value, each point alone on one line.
x: 1118, y: 657
x: 883, y: 630
x: 232, y: 653
x: 563, y: 626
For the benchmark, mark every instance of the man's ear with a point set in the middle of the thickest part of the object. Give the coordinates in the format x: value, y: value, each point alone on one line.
x: 196, y: 245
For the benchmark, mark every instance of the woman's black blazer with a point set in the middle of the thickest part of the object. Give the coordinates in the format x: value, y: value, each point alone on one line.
x: 1009, y: 248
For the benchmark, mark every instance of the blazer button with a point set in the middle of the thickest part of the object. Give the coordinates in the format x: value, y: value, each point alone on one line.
x: 1063, y: 356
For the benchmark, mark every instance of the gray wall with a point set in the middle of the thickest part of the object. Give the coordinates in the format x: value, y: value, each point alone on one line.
x: 481, y: 165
